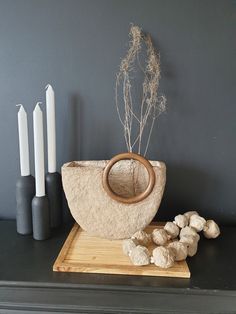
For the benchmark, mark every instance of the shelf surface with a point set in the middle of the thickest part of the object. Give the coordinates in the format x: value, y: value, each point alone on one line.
x: 26, y: 267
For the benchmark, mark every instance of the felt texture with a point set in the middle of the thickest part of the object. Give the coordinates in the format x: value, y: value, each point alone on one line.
x: 96, y: 212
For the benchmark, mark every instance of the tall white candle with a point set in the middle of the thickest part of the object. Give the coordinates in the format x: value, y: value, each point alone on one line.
x: 39, y: 151
x: 23, y: 142
x: 51, y: 128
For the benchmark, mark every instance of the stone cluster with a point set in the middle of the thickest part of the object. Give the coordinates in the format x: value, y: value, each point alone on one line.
x: 175, y: 242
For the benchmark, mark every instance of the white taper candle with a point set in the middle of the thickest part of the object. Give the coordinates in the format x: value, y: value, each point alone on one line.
x: 51, y: 128
x: 23, y: 142
x: 39, y: 151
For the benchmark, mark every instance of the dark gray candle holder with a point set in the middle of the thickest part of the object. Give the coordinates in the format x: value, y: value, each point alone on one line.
x: 25, y: 190
x: 41, y: 218
x: 54, y: 193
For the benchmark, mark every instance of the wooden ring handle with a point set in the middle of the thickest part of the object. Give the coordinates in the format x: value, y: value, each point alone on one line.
x: 136, y: 198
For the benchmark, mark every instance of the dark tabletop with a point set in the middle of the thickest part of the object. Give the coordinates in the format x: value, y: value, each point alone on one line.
x: 28, y: 263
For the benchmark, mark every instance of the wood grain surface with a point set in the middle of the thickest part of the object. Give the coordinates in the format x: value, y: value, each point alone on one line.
x: 87, y: 254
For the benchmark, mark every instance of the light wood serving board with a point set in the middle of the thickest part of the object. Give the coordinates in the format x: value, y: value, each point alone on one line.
x: 87, y: 254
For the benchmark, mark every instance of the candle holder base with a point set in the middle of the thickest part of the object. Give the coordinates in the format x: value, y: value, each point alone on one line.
x: 54, y: 193
x: 41, y: 218
x: 25, y: 190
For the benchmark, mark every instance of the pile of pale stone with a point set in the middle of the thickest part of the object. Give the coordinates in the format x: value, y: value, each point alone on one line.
x: 176, y: 241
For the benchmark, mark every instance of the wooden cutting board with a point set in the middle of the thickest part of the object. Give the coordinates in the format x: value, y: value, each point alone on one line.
x: 87, y: 254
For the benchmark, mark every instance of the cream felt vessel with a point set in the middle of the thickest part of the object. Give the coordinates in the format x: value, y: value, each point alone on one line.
x: 96, y: 211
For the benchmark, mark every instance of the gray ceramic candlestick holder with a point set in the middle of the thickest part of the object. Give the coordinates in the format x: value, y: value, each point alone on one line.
x: 25, y: 190
x: 41, y: 218
x: 54, y: 193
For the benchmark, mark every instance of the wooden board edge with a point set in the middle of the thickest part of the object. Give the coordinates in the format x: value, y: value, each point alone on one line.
x: 63, y: 252
x: 121, y: 270
x: 118, y: 271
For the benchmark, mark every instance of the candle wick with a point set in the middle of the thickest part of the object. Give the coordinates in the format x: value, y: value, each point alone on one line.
x: 47, y: 86
x: 18, y: 105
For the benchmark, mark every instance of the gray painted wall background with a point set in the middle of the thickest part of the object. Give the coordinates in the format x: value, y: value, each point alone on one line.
x: 76, y: 45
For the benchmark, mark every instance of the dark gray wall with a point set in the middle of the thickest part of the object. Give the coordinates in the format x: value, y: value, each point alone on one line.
x: 76, y: 45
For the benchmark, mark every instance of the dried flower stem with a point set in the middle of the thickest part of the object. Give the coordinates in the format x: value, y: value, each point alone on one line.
x: 151, y: 106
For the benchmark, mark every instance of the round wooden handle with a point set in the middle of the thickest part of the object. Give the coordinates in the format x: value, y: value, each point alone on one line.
x: 136, y: 198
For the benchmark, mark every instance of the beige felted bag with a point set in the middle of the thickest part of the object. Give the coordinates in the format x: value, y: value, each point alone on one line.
x: 114, y: 199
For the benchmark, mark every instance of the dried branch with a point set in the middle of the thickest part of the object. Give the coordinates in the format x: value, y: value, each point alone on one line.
x: 151, y: 105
